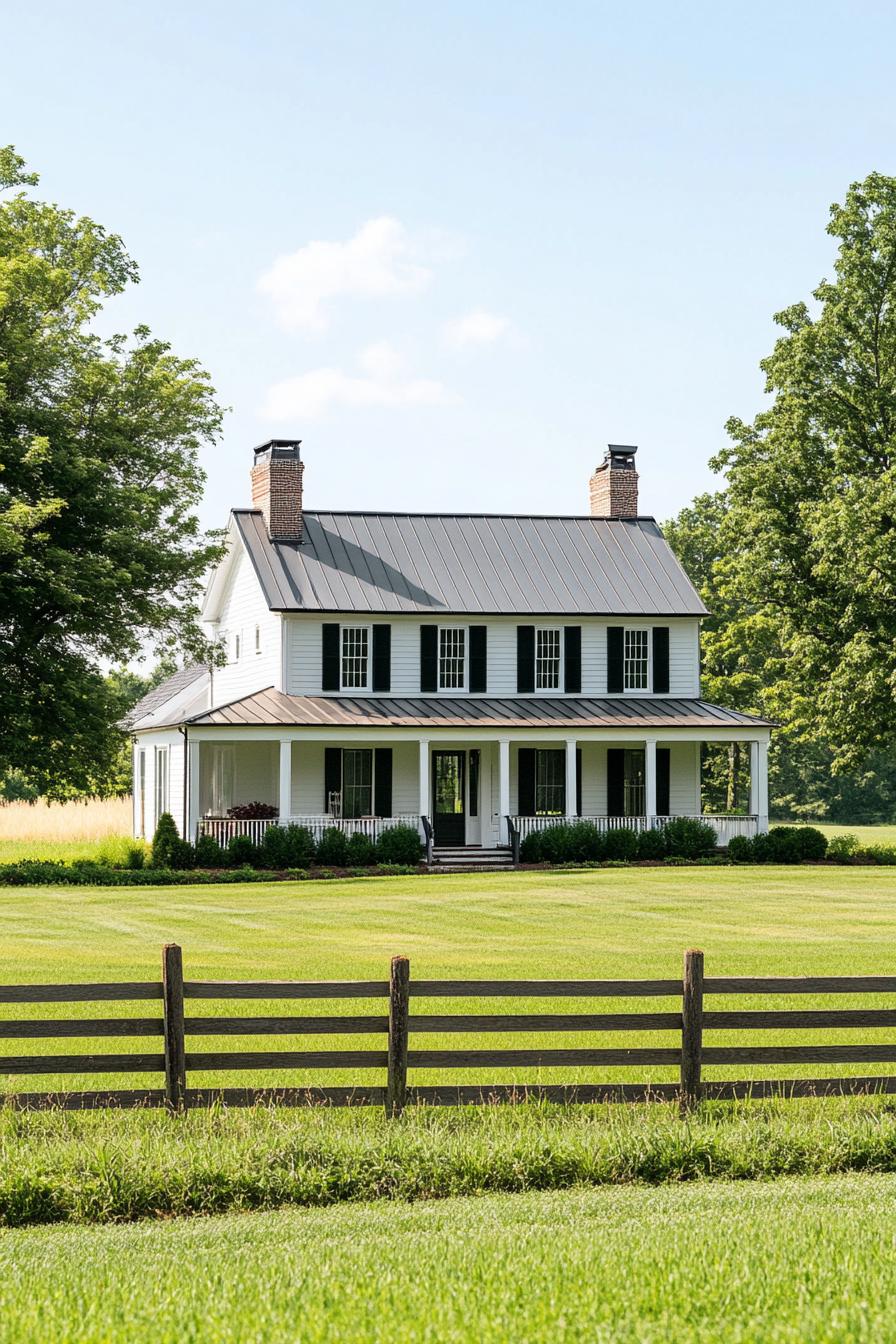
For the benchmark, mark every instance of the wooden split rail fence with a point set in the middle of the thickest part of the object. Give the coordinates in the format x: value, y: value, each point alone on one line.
x: 690, y: 1021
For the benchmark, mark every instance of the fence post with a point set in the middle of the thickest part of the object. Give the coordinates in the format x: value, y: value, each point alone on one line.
x: 173, y: 998
x: 691, y: 1028
x: 397, y: 1077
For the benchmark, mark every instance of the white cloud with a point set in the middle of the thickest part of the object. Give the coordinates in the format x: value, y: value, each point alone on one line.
x: 383, y: 382
x: 378, y: 261
x: 477, y: 328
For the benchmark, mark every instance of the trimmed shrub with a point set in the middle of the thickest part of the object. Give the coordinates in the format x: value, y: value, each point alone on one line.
x: 209, y: 853
x: 621, y: 843
x: 399, y: 844
x: 273, y: 852
x: 241, y: 852
x: 530, y: 848
x: 842, y: 848
x: 652, y: 844
x: 812, y: 844
x: 165, y: 842
x: 882, y: 854
x: 782, y: 845
x: 555, y: 843
x: 361, y: 850
x: 168, y: 849
x: 332, y: 848
x: 299, y: 845
x: 689, y: 837
x: 741, y: 849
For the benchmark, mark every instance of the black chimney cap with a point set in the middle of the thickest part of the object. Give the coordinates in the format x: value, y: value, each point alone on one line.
x: 278, y: 448
x: 621, y: 455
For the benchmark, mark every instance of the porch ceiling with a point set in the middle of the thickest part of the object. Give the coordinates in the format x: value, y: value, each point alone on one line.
x: 273, y: 708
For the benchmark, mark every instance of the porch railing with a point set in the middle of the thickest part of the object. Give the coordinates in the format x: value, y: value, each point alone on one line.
x: 725, y: 825
x: 223, y: 828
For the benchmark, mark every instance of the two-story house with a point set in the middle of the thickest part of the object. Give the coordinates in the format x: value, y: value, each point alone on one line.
x: 468, y: 673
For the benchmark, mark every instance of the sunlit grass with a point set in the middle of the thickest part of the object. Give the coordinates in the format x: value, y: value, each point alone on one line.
x: 73, y: 830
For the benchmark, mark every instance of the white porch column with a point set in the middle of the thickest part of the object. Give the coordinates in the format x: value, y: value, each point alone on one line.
x: 285, y: 793
x: 193, y: 804
x: 503, y: 788
x: 759, y: 784
x: 572, y: 800
x: 650, y: 778
x: 424, y: 776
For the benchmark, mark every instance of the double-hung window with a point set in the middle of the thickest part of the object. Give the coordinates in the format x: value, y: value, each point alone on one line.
x: 452, y: 658
x: 355, y: 659
x: 636, y: 660
x: 161, y: 781
x: 548, y: 657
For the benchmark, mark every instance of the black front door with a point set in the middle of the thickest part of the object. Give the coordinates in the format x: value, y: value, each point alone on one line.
x: 448, y: 792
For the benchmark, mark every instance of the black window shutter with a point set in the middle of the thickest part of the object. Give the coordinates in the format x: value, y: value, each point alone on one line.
x: 616, y: 782
x: 429, y: 658
x: 572, y: 659
x: 382, y: 661
x: 332, y: 773
x: 382, y: 781
x: 663, y: 772
x: 615, y: 658
x: 329, y: 676
x: 578, y: 781
x: 525, y: 663
x: 526, y: 781
x: 661, y: 659
x: 478, y: 679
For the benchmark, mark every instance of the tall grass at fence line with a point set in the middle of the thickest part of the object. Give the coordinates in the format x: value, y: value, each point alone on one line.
x: 115, y: 1166
x: 70, y: 830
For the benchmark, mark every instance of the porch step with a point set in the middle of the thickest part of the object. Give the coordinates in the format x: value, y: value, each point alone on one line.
x: 471, y: 856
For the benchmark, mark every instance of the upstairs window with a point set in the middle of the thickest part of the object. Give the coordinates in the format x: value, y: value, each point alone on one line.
x: 547, y: 659
x: 452, y: 658
x: 355, y: 657
x: 161, y: 781
x: 636, y: 660
x: 258, y: 639
x: 237, y: 646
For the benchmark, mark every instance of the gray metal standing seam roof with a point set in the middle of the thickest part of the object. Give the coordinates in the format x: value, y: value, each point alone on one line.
x: 470, y: 563
x: 275, y: 708
x: 161, y: 694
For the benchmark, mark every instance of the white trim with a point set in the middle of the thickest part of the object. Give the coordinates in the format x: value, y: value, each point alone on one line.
x: 356, y: 625
x: 452, y: 690
x: 561, y: 668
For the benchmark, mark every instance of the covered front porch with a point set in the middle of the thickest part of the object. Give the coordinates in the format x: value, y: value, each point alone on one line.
x: 458, y: 789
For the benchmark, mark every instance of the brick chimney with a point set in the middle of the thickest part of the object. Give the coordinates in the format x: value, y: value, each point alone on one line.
x: 614, y: 485
x: 277, y: 487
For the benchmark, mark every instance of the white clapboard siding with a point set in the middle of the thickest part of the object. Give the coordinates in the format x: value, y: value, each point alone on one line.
x: 244, y: 608
x: 304, y: 641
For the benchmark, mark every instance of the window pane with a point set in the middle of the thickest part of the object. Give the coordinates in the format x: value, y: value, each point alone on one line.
x: 634, y: 783
x: 547, y: 660
x: 452, y: 654
x: 354, y: 656
x: 357, y: 783
x: 161, y: 781
x: 474, y: 783
x: 636, y: 660
x: 550, y: 783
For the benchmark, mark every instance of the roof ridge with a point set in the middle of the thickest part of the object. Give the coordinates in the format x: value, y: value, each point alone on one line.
x: 435, y: 513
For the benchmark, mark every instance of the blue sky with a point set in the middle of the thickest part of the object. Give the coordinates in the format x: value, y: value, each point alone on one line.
x: 457, y: 249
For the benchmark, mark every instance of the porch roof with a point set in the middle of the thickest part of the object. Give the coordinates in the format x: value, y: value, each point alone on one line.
x: 271, y: 708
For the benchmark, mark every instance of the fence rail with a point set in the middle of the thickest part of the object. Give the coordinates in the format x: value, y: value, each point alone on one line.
x: 398, y: 1027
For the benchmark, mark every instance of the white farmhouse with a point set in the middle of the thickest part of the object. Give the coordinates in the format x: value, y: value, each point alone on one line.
x: 475, y: 675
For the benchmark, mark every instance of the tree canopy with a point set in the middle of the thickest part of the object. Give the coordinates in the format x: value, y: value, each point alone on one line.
x: 101, y: 552
x: 808, y: 542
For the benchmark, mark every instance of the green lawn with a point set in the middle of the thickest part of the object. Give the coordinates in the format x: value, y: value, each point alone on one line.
x: 610, y: 922
x: 789, y: 1261
x: 868, y: 835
